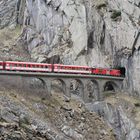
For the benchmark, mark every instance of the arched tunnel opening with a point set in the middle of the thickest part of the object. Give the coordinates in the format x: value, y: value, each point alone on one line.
x: 36, y: 83
x: 92, y: 91
x: 76, y: 87
x: 58, y: 86
x: 122, y: 70
x: 35, y: 86
x: 109, y: 87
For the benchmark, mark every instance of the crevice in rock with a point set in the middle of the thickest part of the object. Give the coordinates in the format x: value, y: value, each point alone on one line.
x: 135, y: 42
x: 136, y: 4
x: 91, y: 39
x: 20, y: 11
x: 102, y: 38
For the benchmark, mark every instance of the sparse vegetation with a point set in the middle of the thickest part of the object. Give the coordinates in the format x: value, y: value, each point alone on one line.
x: 101, y: 5
x: 115, y: 14
x: 31, y: 118
x: 137, y: 104
x: 108, y: 93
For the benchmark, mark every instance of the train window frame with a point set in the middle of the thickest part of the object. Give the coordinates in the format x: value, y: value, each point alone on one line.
x: 46, y: 66
x: 33, y: 66
x: 14, y: 65
x: 100, y: 70
x: 19, y: 65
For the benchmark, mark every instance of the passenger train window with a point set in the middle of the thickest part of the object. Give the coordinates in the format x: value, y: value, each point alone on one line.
x: 100, y: 70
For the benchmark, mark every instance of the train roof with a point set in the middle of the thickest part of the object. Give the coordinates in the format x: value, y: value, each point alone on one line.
x: 18, y: 62
x: 72, y: 66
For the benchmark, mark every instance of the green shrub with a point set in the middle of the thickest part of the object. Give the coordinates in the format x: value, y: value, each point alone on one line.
x: 115, y: 14
x: 137, y: 104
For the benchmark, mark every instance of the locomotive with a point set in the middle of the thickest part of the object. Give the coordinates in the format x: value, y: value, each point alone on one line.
x: 57, y: 68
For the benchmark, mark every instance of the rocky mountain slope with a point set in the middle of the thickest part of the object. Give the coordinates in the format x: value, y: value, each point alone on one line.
x: 27, y: 117
x: 122, y: 113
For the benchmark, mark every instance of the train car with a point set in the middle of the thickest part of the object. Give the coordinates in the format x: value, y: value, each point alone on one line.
x: 72, y: 69
x: 115, y: 72
x: 58, y: 68
x: 1, y: 65
x: 27, y: 66
x: 103, y: 71
x: 100, y: 71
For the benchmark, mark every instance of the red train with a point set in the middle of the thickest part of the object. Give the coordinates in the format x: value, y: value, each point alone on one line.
x: 57, y: 68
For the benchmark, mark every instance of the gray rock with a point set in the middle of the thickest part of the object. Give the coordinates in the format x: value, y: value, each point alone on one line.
x: 24, y: 119
x: 124, y: 127
x: 71, y: 133
x: 15, y: 136
x: 10, y: 11
x: 98, y: 40
x: 8, y: 115
x: 134, y: 135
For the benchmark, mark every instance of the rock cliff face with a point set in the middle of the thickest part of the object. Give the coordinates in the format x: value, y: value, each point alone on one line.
x: 96, y: 33
x: 7, y: 13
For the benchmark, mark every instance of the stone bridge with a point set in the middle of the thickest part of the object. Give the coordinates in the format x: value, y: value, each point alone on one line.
x: 88, y: 87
